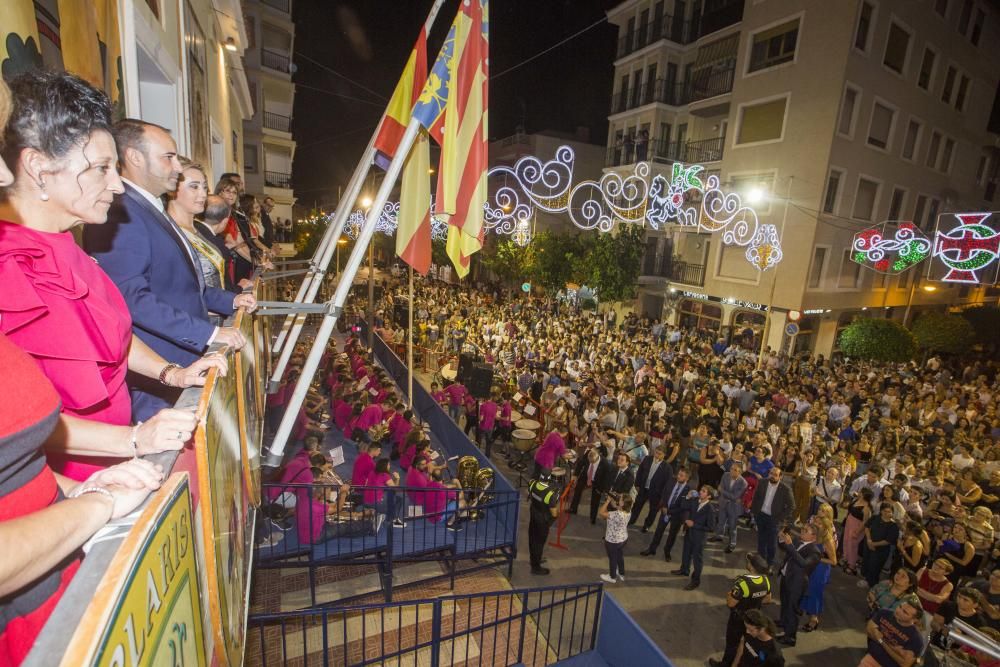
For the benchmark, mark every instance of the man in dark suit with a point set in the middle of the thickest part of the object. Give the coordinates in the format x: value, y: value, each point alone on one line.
x: 772, y: 505
x: 672, y: 506
x: 621, y: 479
x: 592, y: 473
x: 699, y: 522
x: 800, y: 560
x: 154, y: 265
x: 650, y: 479
x: 269, y: 237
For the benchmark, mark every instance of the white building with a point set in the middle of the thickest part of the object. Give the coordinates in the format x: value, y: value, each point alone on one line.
x: 847, y: 113
x: 268, y: 146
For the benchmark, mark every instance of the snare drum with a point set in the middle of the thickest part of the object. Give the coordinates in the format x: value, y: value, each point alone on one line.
x: 528, y: 424
x: 559, y: 475
x: 524, y: 440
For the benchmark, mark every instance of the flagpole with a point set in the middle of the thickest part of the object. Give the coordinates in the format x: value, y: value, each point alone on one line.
x: 409, y: 341
x: 292, y: 327
x: 336, y: 304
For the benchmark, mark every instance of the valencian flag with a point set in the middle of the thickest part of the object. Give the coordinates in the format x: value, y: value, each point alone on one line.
x: 453, y: 109
x: 19, y: 50
x: 397, y: 113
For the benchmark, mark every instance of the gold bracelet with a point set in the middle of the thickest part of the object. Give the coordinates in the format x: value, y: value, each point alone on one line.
x: 163, y: 373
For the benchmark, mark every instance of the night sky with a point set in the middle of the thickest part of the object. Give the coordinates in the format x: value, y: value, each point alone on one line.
x: 369, y: 41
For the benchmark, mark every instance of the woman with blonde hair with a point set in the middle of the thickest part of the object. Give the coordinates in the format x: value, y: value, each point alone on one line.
x: 812, y: 603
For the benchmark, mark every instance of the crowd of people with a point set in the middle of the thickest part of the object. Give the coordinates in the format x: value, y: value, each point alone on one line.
x: 887, y: 472
x: 98, y: 341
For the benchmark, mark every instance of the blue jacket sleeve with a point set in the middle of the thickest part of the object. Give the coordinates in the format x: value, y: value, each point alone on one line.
x: 219, y: 300
x: 126, y: 256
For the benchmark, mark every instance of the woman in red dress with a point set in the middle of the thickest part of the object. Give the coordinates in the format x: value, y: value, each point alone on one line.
x: 57, y: 304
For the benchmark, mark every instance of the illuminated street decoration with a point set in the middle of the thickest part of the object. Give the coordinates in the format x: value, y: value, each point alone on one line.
x: 969, y: 250
x: 599, y: 204
x: 764, y: 250
x: 388, y: 220
x: 886, y: 249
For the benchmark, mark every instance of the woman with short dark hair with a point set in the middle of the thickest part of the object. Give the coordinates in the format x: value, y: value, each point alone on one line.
x: 57, y: 303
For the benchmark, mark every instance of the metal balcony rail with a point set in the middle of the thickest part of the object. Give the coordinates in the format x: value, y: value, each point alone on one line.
x: 701, y: 86
x: 277, y: 179
x: 688, y: 274
x: 280, y: 5
x: 717, y: 15
x: 658, y: 150
x: 280, y: 62
x: 275, y: 121
x: 532, y: 626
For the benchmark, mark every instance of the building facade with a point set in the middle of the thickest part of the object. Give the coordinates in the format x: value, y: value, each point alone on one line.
x: 844, y: 114
x: 268, y: 146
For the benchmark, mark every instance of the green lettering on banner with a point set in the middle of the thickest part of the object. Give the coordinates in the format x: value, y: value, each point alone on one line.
x: 150, y: 588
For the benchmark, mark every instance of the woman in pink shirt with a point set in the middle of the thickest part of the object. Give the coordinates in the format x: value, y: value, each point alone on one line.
x: 487, y: 422
x: 552, y: 449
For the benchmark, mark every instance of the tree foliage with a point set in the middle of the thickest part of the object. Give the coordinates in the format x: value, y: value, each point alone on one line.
x: 559, y: 258
x: 613, y: 263
x: 943, y: 332
x: 880, y: 340
x: 511, y: 263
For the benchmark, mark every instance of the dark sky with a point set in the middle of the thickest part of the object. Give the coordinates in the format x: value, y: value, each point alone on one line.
x: 369, y: 40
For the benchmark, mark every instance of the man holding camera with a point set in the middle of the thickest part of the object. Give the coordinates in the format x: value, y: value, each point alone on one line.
x: 699, y: 520
x: 800, y: 560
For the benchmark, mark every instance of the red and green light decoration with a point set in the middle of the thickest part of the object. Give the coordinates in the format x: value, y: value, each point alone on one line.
x: 890, y: 247
x: 969, y: 250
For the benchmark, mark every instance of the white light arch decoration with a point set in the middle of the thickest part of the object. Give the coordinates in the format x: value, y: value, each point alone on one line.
x: 388, y: 220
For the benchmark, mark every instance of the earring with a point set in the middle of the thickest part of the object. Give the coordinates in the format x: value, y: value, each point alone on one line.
x: 45, y: 195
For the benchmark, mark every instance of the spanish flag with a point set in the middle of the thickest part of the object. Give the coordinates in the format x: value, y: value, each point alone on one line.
x: 413, y: 233
x: 453, y: 109
x: 397, y: 113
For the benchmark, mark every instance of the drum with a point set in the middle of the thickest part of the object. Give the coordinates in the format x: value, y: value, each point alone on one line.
x: 515, y: 416
x: 527, y: 424
x: 559, y: 475
x: 449, y: 373
x: 524, y: 439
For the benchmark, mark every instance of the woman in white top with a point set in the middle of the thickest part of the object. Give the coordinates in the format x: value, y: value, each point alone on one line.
x: 615, y: 535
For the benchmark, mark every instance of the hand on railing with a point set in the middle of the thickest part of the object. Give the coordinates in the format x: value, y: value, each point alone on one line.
x: 246, y: 300
x: 231, y: 337
x: 127, y: 484
x: 166, y: 431
x: 194, y: 375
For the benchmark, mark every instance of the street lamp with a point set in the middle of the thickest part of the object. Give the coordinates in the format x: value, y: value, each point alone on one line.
x: 754, y: 196
x: 366, y: 202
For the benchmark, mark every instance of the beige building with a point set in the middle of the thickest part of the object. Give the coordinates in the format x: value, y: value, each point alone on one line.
x: 268, y: 146
x: 845, y: 114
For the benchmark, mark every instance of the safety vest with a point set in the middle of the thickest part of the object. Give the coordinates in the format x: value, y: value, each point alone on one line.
x: 750, y: 589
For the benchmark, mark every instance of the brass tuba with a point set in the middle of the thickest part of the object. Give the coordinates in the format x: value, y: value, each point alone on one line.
x: 468, y: 469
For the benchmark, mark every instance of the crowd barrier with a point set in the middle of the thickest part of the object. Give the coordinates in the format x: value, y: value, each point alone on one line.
x: 471, y: 525
x: 170, y: 583
x: 536, y: 626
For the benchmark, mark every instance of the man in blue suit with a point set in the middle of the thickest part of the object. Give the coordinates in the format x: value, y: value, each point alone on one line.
x: 699, y: 521
x: 154, y: 265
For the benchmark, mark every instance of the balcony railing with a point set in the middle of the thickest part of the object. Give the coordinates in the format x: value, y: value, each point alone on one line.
x: 658, y: 150
x: 688, y: 274
x: 275, y: 121
x: 275, y: 60
x: 716, y: 16
x: 277, y: 179
x: 280, y: 5
x: 701, y: 86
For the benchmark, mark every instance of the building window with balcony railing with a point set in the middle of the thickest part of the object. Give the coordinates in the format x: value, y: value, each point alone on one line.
x: 277, y: 179
x: 281, y: 5
x: 774, y: 46
x: 275, y: 60
x: 277, y: 121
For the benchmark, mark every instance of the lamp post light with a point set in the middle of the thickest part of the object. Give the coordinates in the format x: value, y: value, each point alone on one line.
x: 754, y: 196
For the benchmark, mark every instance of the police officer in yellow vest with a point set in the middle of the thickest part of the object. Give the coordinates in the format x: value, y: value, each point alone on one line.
x: 749, y: 591
x: 543, y: 496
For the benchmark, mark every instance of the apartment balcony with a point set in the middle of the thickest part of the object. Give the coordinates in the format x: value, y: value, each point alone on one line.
x: 702, y: 86
x: 688, y: 274
x: 281, y: 5
x: 277, y: 179
x: 275, y: 60
x: 655, y: 266
x: 275, y: 121
x: 659, y: 150
x: 717, y: 15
